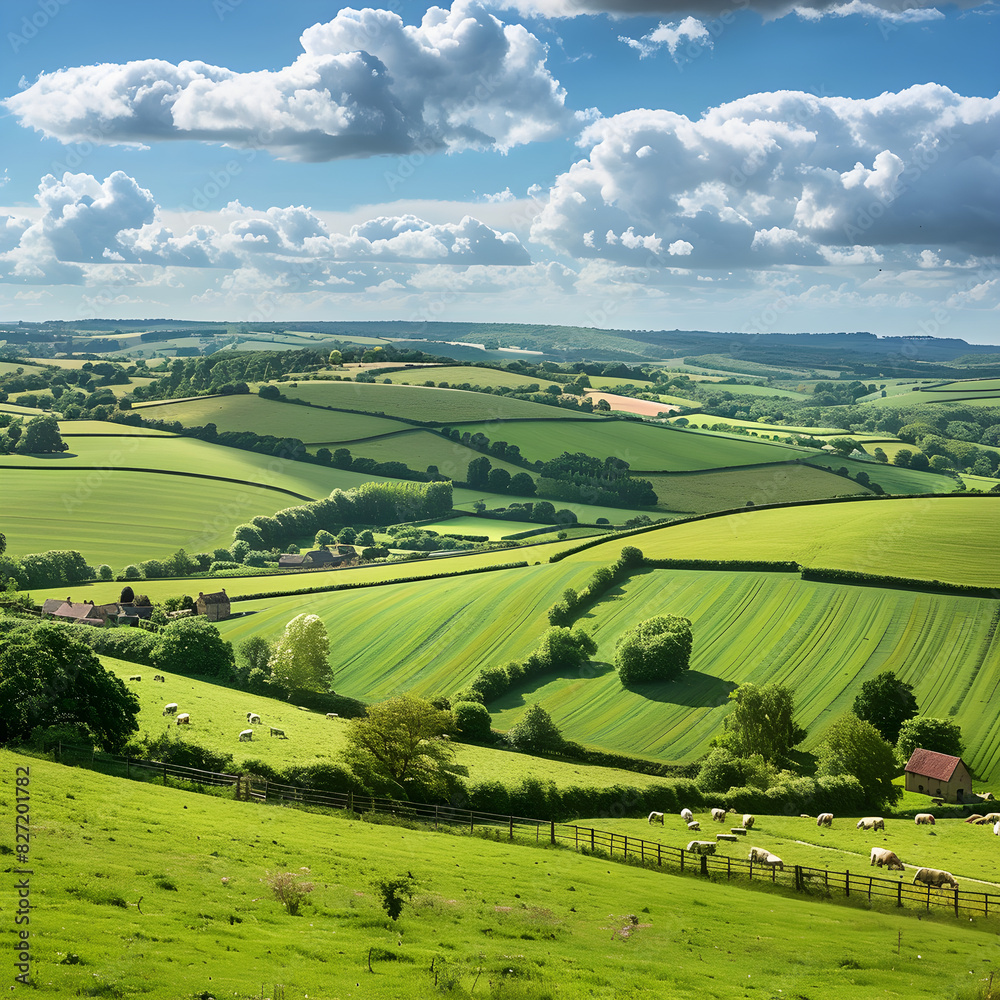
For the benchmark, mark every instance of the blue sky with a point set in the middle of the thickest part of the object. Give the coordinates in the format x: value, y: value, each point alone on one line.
x: 726, y: 166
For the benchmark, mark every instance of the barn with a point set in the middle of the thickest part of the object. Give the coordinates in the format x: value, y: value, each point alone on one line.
x: 939, y: 775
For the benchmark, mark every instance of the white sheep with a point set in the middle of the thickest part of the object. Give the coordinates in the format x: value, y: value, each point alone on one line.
x: 170, y: 709
x: 655, y: 817
x: 252, y: 718
x: 332, y: 715
x: 719, y: 815
x: 687, y: 815
x: 278, y: 732
x: 184, y: 719
x: 824, y: 819
x: 748, y: 821
x: 246, y: 736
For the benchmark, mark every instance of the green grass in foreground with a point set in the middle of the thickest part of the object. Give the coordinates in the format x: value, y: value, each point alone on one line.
x: 491, y: 919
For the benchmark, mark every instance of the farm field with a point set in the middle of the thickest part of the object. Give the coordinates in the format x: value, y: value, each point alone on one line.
x: 267, y: 416
x: 892, y: 478
x: 102, y: 428
x: 477, y: 526
x: 151, y: 512
x: 481, y: 908
x: 822, y: 640
x: 754, y: 425
x: 24, y: 411
x: 953, y: 539
x: 442, y: 406
x: 643, y: 446
x: 701, y: 492
x: 463, y: 499
x: 644, y: 407
x: 741, y: 389
x: 457, y: 374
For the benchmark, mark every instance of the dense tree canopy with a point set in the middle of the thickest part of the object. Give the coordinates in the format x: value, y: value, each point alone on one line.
x: 657, y: 649
x: 855, y: 747
x: 41, y: 437
x: 48, y: 678
x: 402, y: 740
x: 193, y: 646
x: 300, y: 657
x: 886, y: 702
x: 941, y: 735
x: 761, y: 722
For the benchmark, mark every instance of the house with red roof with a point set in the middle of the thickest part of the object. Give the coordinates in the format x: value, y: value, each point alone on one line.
x: 939, y: 775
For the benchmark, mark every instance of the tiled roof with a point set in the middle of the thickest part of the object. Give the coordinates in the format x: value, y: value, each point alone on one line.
x: 932, y: 764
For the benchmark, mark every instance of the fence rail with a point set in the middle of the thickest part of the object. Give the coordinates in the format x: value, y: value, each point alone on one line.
x: 651, y: 854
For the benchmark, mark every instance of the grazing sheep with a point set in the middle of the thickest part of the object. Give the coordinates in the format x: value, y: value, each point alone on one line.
x: 984, y: 796
x: 687, y: 815
x: 773, y: 861
x: 701, y: 847
x: 883, y: 856
x: 996, y: 829
x: 923, y: 819
x: 974, y: 818
x: 748, y: 821
x: 934, y: 876
x: 991, y: 817
x: 759, y: 854
x: 871, y: 823
x: 246, y: 736
x: 253, y: 717
x: 278, y: 732
x: 332, y: 715
x: 170, y: 709
x: 719, y: 815
x: 655, y: 817
x: 804, y: 816
x: 136, y: 677
x: 184, y: 719
x: 694, y: 825
x: 824, y: 819
x: 160, y: 678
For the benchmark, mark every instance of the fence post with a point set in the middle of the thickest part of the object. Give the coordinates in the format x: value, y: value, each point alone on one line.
x: 552, y: 831
x: 472, y: 822
x: 956, y: 902
x: 704, y: 864
x: 128, y: 769
x: 659, y: 860
x: 928, y: 896
x: 847, y: 883
x: 576, y: 838
x: 682, y: 859
x: 592, y: 838
x: 899, y: 893
x: 350, y: 801
x: 435, y: 816
x: 626, y: 846
x: 611, y: 846
x: 510, y: 831
x: 798, y: 878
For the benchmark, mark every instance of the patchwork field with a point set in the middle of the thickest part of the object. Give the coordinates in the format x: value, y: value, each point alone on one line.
x: 891, y: 478
x: 458, y: 374
x: 644, y: 446
x: 541, y: 922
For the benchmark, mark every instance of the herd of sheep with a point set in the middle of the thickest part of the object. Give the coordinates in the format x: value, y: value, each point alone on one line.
x: 880, y: 856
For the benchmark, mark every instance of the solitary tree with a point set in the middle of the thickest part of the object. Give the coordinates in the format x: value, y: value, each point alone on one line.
x: 49, y: 678
x: 400, y: 740
x: 886, y: 702
x: 301, y: 655
x: 657, y: 649
x: 761, y: 722
x: 854, y: 746
x: 535, y: 731
x: 41, y: 437
x: 940, y: 735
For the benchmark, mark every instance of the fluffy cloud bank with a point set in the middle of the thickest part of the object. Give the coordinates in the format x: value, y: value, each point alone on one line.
x: 365, y: 84
x: 85, y: 222
x: 784, y: 178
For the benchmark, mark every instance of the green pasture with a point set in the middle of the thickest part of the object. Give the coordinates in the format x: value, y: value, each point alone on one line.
x: 952, y: 539
x: 892, y: 478
x: 419, y: 449
x: 268, y: 416
x: 822, y: 640
x: 984, y: 483
x: 965, y: 850
x: 120, y: 517
x: 73, y: 428
x: 421, y: 402
x: 166, y: 453
x: 755, y: 425
x: 701, y: 492
x: 488, y: 918
x: 978, y: 384
x: 21, y: 411
x: 925, y: 396
x: 644, y: 446
x: 740, y: 389
x: 463, y: 499
x: 458, y: 374
x: 478, y: 526
x: 7, y: 367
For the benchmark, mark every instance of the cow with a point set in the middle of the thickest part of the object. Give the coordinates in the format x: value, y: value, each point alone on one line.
x: 759, y: 854
x: 935, y: 877
x: 694, y: 825
x: 701, y: 847
x: 184, y: 719
x: 871, y: 823
x: 655, y: 817
x: 824, y: 819
x: 246, y: 736
x: 883, y: 856
x: 170, y: 709
x: 719, y: 815
x: 748, y: 821
x: 687, y: 815
x: 253, y: 717
x: 278, y: 732
x: 923, y: 819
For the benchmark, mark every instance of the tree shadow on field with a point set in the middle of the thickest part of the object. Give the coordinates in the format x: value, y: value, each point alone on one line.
x: 515, y: 697
x: 55, y: 455
x: 692, y: 688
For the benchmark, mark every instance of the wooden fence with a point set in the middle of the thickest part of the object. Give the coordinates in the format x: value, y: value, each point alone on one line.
x: 650, y: 854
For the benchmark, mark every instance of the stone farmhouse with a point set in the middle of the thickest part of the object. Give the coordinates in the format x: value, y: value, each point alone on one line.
x: 215, y: 607
x: 938, y: 775
x: 88, y: 613
x: 345, y: 555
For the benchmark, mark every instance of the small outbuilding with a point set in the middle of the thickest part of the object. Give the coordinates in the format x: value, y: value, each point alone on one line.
x: 215, y: 607
x: 939, y: 775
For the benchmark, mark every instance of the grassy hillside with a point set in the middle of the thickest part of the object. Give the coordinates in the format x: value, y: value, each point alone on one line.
x: 457, y: 374
x: 490, y: 918
x: 891, y: 478
x: 644, y: 446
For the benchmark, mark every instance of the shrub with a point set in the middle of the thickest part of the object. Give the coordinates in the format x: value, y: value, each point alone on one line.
x: 289, y: 889
x: 658, y: 649
x: 535, y: 731
x: 472, y: 721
